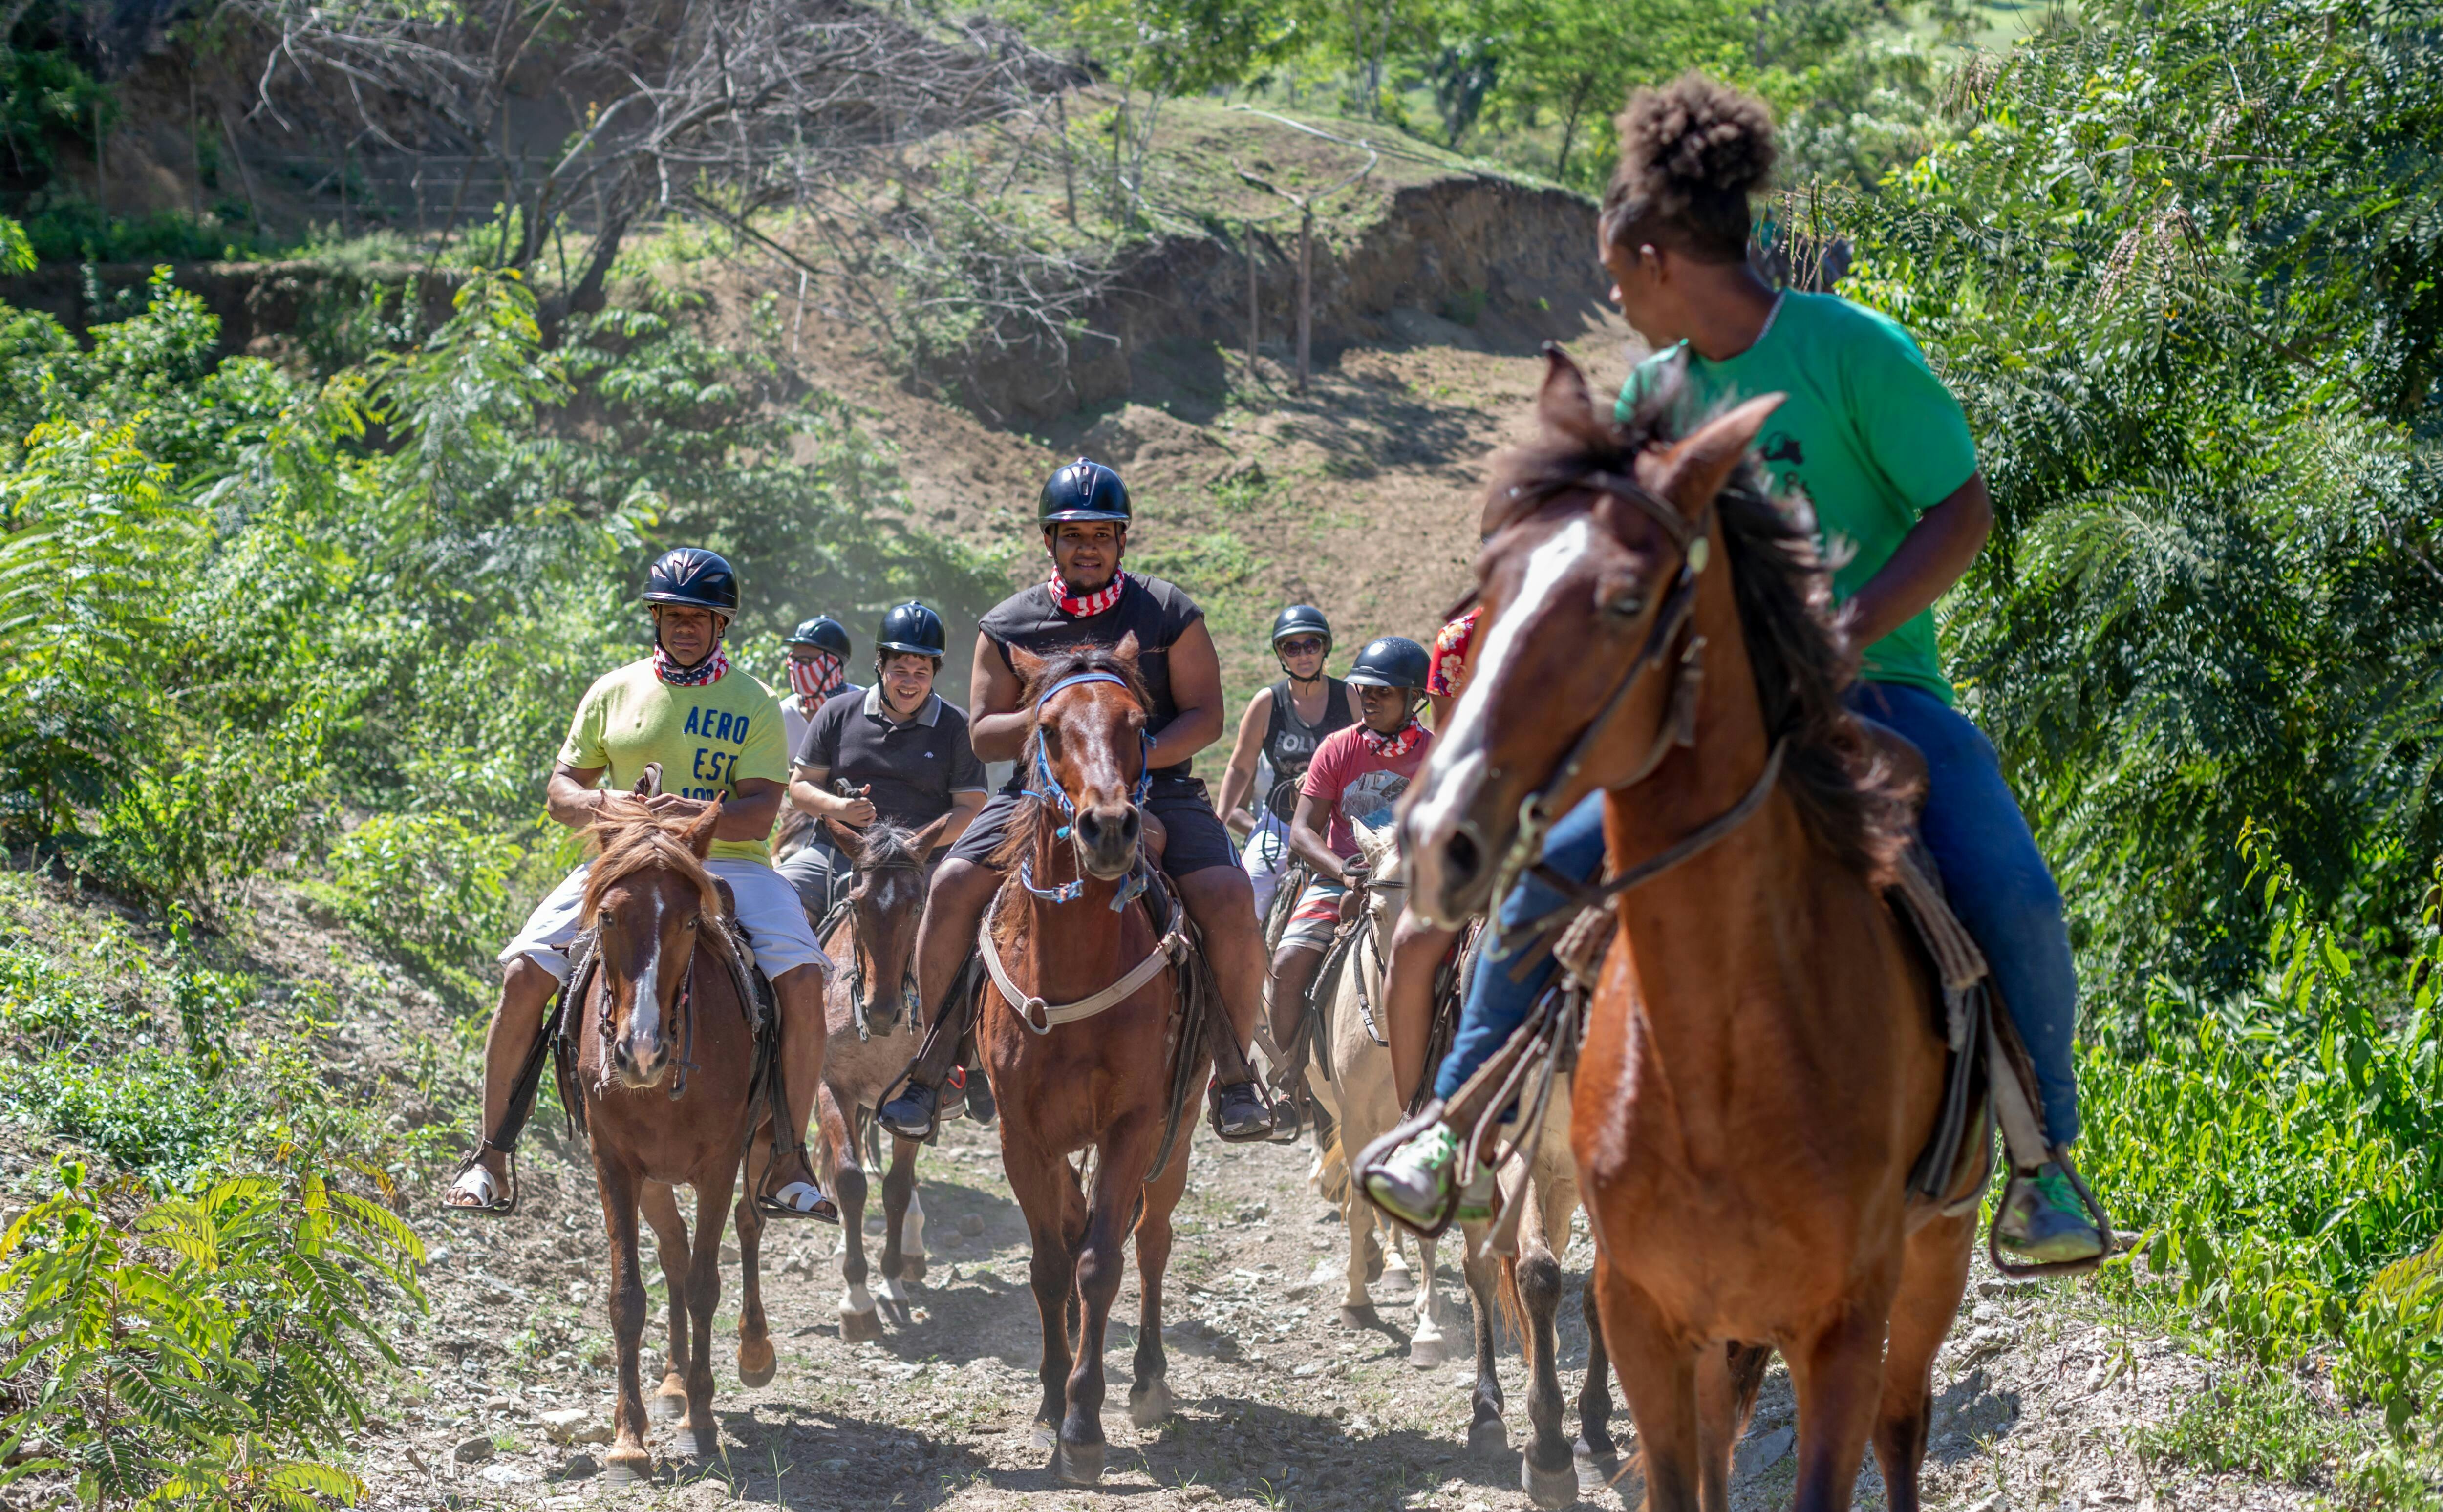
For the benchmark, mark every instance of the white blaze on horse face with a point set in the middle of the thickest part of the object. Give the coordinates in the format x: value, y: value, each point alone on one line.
x: 645, y: 1002
x: 1457, y: 766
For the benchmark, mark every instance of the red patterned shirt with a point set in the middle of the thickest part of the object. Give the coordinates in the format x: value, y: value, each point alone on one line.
x: 1446, y: 673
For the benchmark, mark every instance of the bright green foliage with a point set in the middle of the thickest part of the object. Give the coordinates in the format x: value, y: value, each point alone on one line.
x: 211, y: 1350
x: 431, y: 891
x: 2185, y: 274
x: 2280, y: 1156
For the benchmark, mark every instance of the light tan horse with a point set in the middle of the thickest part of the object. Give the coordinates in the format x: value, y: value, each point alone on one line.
x: 1763, y: 1066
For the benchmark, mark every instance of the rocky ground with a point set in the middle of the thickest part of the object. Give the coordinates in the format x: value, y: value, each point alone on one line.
x: 1280, y: 1403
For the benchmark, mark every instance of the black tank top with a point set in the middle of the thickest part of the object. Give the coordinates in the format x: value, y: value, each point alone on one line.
x: 1290, y: 742
x: 1158, y: 612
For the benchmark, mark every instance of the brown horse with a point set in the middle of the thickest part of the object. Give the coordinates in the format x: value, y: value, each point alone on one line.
x: 872, y: 1011
x: 1080, y: 1029
x: 1763, y: 1063
x: 664, y: 1066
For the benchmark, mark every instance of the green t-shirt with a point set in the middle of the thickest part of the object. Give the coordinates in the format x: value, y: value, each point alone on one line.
x: 1869, y: 434
x: 706, y: 738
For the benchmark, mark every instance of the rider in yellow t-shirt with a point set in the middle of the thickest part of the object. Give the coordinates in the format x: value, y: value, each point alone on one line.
x: 716, y: 734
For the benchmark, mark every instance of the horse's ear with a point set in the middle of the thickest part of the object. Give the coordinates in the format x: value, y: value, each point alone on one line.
x: 1126, y: 652
x: 1028, y: 666
x: 851, y: 844
x: 926, y: 839
x: 1690, y: 472
x: 1565, y: 404
x: 698, y: 835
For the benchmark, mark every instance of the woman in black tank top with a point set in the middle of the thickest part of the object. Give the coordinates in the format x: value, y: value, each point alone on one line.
x: 1274, y: 733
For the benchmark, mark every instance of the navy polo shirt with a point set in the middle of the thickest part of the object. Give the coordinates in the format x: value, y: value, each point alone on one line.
x: 912, y: 768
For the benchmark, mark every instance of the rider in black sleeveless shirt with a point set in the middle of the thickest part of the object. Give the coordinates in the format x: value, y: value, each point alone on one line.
x: 1272, y: 733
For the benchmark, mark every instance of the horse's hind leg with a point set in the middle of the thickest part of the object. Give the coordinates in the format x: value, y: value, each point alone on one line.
x: 1596, y: 1444
x: 699, y: 1434
x: 1728, y: 1378
x: 661, y: 1206
x: 1149, y: 1399
x: 1428, y: 1345
x: 1486, y: 1433
x: 903, y: 1225
x: 1547, y: 1471
x: 627, y: 1460
x: 858, y: 1319
x: 755, y: 1361
x: 1933, y: 1275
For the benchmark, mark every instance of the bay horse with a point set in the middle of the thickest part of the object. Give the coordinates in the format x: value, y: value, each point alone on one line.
x: 665, y: 1067
x: 1088, y: 1035
x: 870, y: 1008
x: 1763, y: 1062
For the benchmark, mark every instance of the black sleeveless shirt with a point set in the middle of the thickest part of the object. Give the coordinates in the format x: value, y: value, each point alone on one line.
x: 1157, y: 611
x: 1290, y: 742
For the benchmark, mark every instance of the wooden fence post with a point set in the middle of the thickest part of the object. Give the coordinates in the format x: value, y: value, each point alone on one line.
x: 1306, y: 293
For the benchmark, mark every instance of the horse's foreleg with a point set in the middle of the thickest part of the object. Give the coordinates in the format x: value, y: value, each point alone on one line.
x: 1428, y: 1345
x: 903, y: 1224
x: 755, y: 1361
x: 1365, y: 1256
x: 1727, y: 1376
x: 1547, y: 1472
x: 1658, y: 1374
x: 1933, y: 1275
x: 1149, y: 1399
x: 1838, y: 1377
x: 845, y: 1171
x: 1046, y: 1193
x: 627, y: 1459
x: 1594, y: 1399
x: 670, y: 1244
x: 698, y: 1434
x: 1119, y: 1181
x: 1486, y: 1433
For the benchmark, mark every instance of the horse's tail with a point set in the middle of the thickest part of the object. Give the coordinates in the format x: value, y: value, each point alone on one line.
x: 1514, y: 1305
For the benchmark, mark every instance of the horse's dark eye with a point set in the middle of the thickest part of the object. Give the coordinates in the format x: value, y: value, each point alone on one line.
x: 691, y: 924
x: 1627, y: 606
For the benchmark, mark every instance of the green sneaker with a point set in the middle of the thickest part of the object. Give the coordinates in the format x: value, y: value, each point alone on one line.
x: 1413, y: 1182
x: 2043, y: 1222
x: 1476, y: 1201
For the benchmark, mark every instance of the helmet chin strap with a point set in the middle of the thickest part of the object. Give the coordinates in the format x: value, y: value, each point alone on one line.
x: 1321, y: 671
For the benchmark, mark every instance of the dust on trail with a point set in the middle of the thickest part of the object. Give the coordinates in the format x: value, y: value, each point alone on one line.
x: 1280, y: 1404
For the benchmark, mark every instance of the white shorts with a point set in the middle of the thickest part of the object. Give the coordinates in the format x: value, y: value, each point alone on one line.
x: 1266, y: 852
x: 768, y: 910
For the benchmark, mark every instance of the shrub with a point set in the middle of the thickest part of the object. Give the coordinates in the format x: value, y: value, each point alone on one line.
x: 430, y: 890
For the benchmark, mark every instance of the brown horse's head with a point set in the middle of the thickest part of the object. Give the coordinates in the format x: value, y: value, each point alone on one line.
x: 887, y: 900
x: 1090, y: 745
x: 651, y: 894
x: 1575, y: 576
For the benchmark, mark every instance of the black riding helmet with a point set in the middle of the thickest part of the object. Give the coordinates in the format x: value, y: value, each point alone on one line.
x: 693, y: 576
x: 1085, y: 489
x: 1301, y: 619
x: 823, y: 633
x: 911, y: 627
x: 1389, y: 661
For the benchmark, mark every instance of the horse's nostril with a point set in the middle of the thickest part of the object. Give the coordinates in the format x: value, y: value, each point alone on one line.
x: 1459, y: 854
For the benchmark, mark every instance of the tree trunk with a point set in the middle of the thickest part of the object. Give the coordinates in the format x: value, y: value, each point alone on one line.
x: 1569, y: 126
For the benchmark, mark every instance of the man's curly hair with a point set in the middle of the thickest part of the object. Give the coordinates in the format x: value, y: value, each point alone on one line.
x: 1691, y: 154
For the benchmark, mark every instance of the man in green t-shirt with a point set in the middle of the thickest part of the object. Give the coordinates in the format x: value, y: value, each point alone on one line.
x: 716, y: 732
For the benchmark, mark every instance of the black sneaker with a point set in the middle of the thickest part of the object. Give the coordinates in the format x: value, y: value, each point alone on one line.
x: 981, y: 1108
x: 911, y: 1114
x: 1239, y: 1113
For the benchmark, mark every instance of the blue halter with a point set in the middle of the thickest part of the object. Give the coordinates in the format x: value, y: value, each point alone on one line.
x: 1051, y: 791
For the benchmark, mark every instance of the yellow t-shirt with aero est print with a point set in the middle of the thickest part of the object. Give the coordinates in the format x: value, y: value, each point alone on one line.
x: 706, y: 738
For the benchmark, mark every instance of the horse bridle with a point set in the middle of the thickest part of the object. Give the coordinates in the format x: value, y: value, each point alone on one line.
x: 856, y: 1003
x: 684, y: 1010
x: 1053, y: 793
x: 1537, y: 812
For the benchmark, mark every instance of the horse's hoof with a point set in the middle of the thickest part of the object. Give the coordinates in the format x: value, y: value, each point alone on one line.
x: 693, y: 1444
x: 1602, y: 1454
x: 1150, y: 1404
x: 857, y: 1328
x: 911, y: 1267
x: 1427, y: 1351
x: 1078, y: 1464
x: 1359, y: 1317
x: 1547, y: 1488
x: 1489, y: 1438
x: 891, y: 1293
x: 756, y: 1363
x: 667, y: 1406
x: 627, y: 1471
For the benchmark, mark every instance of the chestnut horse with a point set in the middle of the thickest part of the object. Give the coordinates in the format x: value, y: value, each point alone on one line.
x: 665, y: 1067
x: 872, y: 1011
x: 1082, y: 1021
x: 1763, y: 1063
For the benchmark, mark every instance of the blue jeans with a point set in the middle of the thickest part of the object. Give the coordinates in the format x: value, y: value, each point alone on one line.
x: 1992, y: 871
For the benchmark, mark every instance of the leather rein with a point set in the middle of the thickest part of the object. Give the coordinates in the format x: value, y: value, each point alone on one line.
x: 1538, y: 812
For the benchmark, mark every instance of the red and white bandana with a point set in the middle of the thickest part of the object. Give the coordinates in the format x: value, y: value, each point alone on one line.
x: 1392, y: 747
x: 710, y: 670
x: 817, y: 678
x: 1094, y: 603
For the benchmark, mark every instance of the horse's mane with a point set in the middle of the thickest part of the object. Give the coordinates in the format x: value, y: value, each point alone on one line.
x: 1027, y: 818
x: 889, y: 844
x: 629, y: 838
x: 1854, y: 802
